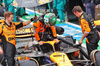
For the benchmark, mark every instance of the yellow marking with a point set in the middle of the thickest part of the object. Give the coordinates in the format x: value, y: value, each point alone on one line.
x: 27, y: 35
x: 47, y: 0
x: 42, y: 2
x: 61, y: 59
x: 51, y: 43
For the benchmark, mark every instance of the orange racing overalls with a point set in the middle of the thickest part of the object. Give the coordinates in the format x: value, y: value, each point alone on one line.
x: 8, y: 39
x: 44, y: 33
x: 87, y: 25
x: 1, y: 21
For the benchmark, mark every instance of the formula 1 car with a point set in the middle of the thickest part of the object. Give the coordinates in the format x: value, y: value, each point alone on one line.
x: 66, y: 56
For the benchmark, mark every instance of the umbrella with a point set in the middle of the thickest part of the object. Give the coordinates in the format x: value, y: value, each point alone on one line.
x: 31, y: 3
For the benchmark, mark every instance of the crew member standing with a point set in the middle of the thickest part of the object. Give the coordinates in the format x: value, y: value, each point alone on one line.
x: 59, y: 5
x: 88, y: 29
x: 7, y: 33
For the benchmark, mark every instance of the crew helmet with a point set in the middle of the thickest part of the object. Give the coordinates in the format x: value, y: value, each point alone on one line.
x: 50, y: 18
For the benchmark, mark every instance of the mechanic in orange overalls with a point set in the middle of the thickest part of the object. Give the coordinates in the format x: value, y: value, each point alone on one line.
x: 7, y: 33
x: 45, y: 30
x: 88, y: 29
